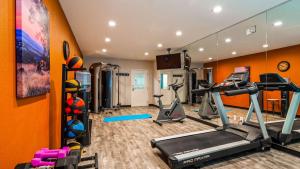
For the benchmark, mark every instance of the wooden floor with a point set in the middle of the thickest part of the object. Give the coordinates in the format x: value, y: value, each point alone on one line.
x: 126, y: 145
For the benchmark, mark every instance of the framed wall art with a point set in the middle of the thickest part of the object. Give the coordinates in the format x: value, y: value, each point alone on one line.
x: 32, y: 48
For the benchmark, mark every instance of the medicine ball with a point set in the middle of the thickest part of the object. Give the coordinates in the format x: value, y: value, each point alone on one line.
x: 75, y: 128
x: 75, y: 146
x: 72, y: 85
x: 74, y: 105
x: 74, y: 62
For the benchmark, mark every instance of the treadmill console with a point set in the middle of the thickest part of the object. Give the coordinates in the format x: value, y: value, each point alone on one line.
x: 273, y: 81
x: 235, y: 81
x: 203, y: 83
x: 271, y: 78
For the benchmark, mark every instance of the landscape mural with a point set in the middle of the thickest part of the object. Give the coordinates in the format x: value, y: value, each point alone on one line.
x: 32, y: 48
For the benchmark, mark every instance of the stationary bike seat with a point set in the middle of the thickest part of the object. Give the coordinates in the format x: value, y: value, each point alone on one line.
x: 158, y: 95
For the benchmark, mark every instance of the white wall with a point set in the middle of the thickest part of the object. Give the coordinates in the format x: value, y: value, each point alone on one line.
x: 125, y: 81
x: 169, y: 95
x: 200, y: 74
x: 153, y: 78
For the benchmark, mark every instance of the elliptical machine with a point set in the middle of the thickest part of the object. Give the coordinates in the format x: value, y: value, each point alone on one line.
x: 174, y: 113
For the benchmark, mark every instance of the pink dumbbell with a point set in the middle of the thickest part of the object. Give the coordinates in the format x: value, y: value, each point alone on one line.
x: 37, y: 162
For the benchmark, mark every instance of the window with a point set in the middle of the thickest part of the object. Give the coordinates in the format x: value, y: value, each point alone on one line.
x: 164, y: 81
x: 139, y: 81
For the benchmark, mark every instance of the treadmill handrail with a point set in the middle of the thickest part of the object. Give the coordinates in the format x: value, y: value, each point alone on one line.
x: 278, y: 86
x: 250, y: 90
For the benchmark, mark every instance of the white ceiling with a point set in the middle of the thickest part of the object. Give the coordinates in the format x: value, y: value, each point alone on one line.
x: 277, y: 37
x: 142, y: 24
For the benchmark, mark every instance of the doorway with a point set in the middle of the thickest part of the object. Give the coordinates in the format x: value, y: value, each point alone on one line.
x: 139, y: 92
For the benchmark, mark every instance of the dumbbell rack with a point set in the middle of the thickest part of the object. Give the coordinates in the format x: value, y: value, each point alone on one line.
x: 74, y: 158
x: 70, y: 162
x: 84, y: 117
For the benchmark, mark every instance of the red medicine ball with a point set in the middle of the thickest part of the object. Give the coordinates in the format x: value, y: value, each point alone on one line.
x: 74, y: 105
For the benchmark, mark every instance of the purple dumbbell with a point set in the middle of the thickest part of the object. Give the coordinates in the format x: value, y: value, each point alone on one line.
x: 48, y: 154
x: 37, y: 162
x: 67, y: 149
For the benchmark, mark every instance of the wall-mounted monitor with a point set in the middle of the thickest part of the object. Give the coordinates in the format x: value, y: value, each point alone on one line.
x: 170, y: 61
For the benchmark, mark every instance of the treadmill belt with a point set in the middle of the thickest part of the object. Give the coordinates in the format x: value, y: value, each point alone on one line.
x: 196, y: 142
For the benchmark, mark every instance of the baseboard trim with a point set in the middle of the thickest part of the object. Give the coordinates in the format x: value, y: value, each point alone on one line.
x: 153, y: 105
x: 125, y: 106
x: 245, y: 108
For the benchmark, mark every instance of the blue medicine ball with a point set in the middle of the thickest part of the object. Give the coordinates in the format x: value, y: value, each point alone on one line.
x: 75, y: 128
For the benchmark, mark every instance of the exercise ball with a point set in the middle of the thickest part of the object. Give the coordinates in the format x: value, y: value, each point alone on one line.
x: 72, y: 85
x: 74, y: 62
x: 74, y: 129
x: 74, y: 105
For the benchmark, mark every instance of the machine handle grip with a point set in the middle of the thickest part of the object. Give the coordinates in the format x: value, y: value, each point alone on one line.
x: 173, y: 83
x: 236, y: 92
x: 212, y: 85
x: 197, y: 91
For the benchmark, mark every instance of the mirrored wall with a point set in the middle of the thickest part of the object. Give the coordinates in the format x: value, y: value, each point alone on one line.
x: 283, y: 58
x: 265, y: 44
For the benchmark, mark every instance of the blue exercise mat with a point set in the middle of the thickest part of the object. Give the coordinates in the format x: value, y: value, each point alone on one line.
x: 127, y: 117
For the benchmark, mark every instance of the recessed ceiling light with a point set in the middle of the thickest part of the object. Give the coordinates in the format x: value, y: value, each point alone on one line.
x: 277, y: 23
x: 112, y: 23
x: 178, y: 33
x: 233, y: 53
x: 227, y: 40
x: 201, y: 49
x: 265, y: 46
x: 146, y: 53
x: 210, y: 58
x: 217, y: 9
x: 104, y: 50
x: 107, y: 39
x: 159, y: 45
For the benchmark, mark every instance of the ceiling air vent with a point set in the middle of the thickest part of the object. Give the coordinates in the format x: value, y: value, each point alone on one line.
x: 251, y: 30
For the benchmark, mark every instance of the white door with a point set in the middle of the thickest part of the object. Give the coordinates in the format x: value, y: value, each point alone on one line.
x: 139, y: 92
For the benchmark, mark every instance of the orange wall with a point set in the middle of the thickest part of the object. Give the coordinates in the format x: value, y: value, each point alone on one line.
x: 29, y: 124
x: 259, y: 63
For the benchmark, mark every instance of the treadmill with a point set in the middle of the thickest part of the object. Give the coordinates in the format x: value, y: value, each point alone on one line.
x: 197, y: 148
x: 286, y: 131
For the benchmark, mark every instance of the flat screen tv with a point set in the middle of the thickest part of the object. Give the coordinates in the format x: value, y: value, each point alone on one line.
x: 170, y: 61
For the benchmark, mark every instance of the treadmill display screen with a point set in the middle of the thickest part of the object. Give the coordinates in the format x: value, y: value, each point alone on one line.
x: 271, y: 78
x: 239, y: 79
x: 241, y: 76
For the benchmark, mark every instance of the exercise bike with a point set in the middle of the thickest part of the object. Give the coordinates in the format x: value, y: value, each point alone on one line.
x: 207, y: 109
x: 175, y: 113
